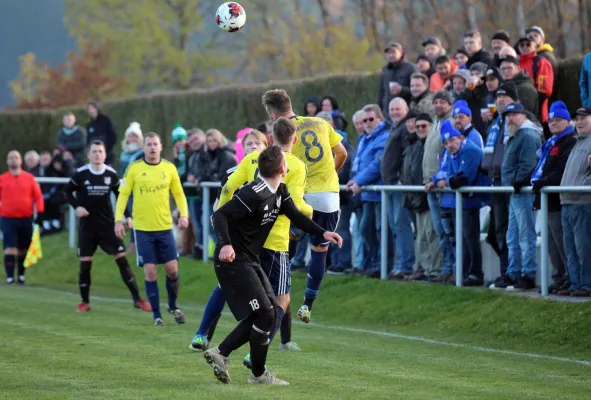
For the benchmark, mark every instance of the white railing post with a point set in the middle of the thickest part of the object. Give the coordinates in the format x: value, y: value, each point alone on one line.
x: 384, y: 236
x: 205, y: 221
x: 544, y: 266
x: 459, y: 220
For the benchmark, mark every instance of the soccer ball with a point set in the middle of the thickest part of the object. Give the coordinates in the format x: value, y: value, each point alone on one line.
x: 230, y: 17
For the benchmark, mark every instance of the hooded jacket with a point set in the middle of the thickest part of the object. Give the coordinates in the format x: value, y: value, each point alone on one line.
x: 433, y: 149
x: 519, y: 157
x: 482, y: 56
x: 399, y: 72
x: 369, y: 160
x: 547, y: 52
x: 585, y: 81
x: 528, y: 95
x: 543, y: 77
x: 213, y: 166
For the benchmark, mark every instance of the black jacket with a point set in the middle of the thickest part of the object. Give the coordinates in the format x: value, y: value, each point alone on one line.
x: 213, y: 166
x: 74, y: 142
x: 475, y: 99
x: 553, y: 170
x: 391, y: 166
x: 399, y: 72
x: 526, y: 90
x: 102, y: 129
x: 412, y: 174
x: 482, y: 56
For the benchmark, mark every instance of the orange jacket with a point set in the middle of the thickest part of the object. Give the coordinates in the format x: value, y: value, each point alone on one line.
x: 17, y: 195
x: 436, y: 82
x: 543, y: 78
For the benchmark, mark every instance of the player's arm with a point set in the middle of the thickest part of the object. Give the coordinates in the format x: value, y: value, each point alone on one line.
x: 340, y: 152
x: 115, y: 189
x: 237, y: 208
x: 235, y: 180
x: 176, y: 187
x: 37, y: 196
x: 125, y: 189
x: 295, y: 187
x: 71, y: 188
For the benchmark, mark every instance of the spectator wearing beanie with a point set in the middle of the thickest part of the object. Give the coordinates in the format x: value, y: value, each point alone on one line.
x: 549, y: 171
x: 461, y: 57
x: 395, y: 76
x: 519, y: 161
x: 462, y: 117
x: 576, y: 210
x: 422, y: 97
x: 433, y: 48
x: 445, y: 67
x: 499, y: 40
x: 425, y: 65
x: 459, y: 82
x: 179, y: 149
x: 131, y: 147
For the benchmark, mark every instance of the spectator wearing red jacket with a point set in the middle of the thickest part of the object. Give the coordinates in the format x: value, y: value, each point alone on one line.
x: 19, y: 191
x: 540, y: 70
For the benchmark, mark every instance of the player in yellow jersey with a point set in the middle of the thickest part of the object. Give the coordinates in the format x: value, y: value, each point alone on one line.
x: 317, y: 141
x: 151, y: 180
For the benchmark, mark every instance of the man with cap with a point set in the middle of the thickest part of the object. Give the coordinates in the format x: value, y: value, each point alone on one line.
x: 499, y: 40
x: 462, y: 116
x: 553, y: 157
x: 473, y: 45
x: 576, y: 209
x: 445, y: 67
x: 536, y: 34
x: 426, y: 243
x: 540, y: 70
x: 433, y: 48
x: 519, y: 161
x: 463, y: 168
x: 492, y: 81
x: 395, y: 77
x: 528, y: 95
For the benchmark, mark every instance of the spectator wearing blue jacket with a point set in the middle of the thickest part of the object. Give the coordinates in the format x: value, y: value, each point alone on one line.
x: 462, y: 116
x: 463, y: 169
x: 585, y: 81
x: 368, y: 162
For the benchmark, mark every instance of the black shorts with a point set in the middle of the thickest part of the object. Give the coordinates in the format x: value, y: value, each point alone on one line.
x: 17, y: 232
x: 89, y: 239
x: 245, y: 286
x: 277, y: 267
x: 327, y: 221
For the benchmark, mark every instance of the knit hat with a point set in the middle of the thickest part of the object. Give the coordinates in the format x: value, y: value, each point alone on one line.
x: 508, y: 89
x: 462, y: 51
x: 558, y: 110
x: 479, y: 66
x: 501, y: 35
x: 134, y: 128
x: 537, y: 29
x: 178, y: 133
x: 423, y: 57
x: 393, y: 45
x: 448, y: 131
x: 461, y: 107
x: 424, y: 117
x: 462, y: 73
x: 444, y: 95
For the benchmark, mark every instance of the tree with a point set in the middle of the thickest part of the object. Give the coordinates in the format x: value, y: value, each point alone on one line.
x: 80, y: 78
x: 154, y: 41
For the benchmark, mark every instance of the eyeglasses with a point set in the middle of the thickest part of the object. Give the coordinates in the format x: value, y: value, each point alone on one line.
x: 370, y: 119
x: 422, y: 126
x: 524, y: 44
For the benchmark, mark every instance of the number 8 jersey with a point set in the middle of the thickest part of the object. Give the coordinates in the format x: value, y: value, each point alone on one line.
x: 316, y: 138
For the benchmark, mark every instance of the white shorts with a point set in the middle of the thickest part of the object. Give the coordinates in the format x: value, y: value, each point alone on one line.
x: 326, y: 202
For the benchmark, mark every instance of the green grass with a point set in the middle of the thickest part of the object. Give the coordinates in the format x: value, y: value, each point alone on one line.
x: 48, y: 351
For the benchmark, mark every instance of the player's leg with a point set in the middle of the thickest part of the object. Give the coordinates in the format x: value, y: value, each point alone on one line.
x: 211, y: 314
x: 24, y: 237
x: 317, y: 267
x: 9, y: 241
x: 146, y: 258
x: 285, y: 330
x: 168, y: 256
x: 87, y: 245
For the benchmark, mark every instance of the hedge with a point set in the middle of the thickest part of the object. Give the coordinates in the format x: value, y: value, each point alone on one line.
x: 228, y: 108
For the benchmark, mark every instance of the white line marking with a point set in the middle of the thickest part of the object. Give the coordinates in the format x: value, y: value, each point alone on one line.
x: 371, y: 332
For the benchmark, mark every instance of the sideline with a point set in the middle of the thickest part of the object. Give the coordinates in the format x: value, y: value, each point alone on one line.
x: 360, y: 330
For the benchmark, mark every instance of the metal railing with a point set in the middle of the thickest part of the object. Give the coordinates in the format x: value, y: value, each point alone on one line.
x: 384, y: 190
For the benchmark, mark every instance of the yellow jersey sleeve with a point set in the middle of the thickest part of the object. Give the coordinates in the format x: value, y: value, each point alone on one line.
x: 245, y: 172
x: 125, y: 190
x: 176, y: 188
x: 316, y: 138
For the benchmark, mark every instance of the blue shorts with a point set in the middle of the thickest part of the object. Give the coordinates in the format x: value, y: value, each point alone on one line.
x: 157, y: 247
x: 276, y: 266
x: 327, y: 221
x: 17, y: 232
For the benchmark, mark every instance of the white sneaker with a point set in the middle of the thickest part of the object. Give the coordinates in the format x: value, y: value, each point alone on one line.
x: 158, y: 322
x: 9, y: 281
x: 266, y: 378
x: 21, y: 279
x: 289, y: 346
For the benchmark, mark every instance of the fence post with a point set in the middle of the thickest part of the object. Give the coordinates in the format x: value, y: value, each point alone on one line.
x: 544, y: 266
x: 384, y: 236
x: 459, y: 237
x: 205, y: 221
x: 72, y: 227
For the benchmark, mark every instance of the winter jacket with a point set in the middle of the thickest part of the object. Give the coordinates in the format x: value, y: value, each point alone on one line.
x: 528, y: 95
x: 577, y: 171
x: 585, y: 81
x: 547, y: 52
x: 393, y: 153
x: 423, y: 104
x: 466, y: 163
x: 213, y: 166
x: 475, y: 99
x: 554, y: 169
x: 436, y: 82
x: 102, y: 129
x: 74, y: 140
x: 369, y: 160
x: 541, y: 71
x: 127, y: 156
x: 399, y: 72
x: 433, y: 150
x: 482, y: 56
x: 345, y: 174
x: 519, y: 158
x: 412, y: 174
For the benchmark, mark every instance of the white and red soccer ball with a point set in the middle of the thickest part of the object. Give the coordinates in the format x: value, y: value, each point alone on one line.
x: 230, y: 16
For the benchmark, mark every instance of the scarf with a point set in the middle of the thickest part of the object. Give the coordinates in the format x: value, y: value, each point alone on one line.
x: 544, y: 152
x: 69, y: 131
x: 182, y: 163
x: 493, y: 135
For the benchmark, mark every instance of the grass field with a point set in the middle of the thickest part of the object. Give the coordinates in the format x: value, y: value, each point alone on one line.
x: 113, y: 352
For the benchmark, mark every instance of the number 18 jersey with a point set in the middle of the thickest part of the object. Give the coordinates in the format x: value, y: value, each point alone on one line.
x: 316, y: 138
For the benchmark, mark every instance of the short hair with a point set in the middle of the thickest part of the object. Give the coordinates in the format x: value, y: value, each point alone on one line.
x: 356, y: 115
x: 68, y: 113
x: 472, y: 35
x: 270, y: 161
x: 283, y: 131
x: 420, y: 75
x: 219, y: 136
x: 276, y: 101
x: 325, y: 115
x: 152, y: 135
x: 97, y: 143
x: 32, y: 154
x: 195, y: 132
x: 373, y: 108
x: 442, y: 60
x: 262, y: 127
x: 259, y: 135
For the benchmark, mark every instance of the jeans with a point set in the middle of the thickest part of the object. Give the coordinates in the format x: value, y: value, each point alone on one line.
x: 576, y: 226
x: 521, y: 237
x: 358, y: 245
x: 195, y: 212
x: 499, y: 204
x: 449, y: 241
x: 556, y: 247
x: 399, y: 220
x: 437, y: 252
x: 342, y: 257
x: 472, y: 253
x: 370, y: 226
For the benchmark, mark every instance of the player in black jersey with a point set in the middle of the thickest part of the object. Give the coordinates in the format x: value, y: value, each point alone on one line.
x: 252, y: 213
x: 92, y: 185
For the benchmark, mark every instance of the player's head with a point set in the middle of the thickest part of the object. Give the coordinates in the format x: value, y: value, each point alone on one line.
x: 254, y: 141
x: 272, y: 163
x: 152, y: 146
x: 14, y: 160
x: 97, y: 153
x: 277, y: 103
x: 284, y: 132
